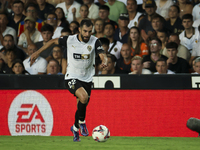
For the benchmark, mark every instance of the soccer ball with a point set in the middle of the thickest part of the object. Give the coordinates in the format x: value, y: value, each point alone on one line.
x: 100, y: 133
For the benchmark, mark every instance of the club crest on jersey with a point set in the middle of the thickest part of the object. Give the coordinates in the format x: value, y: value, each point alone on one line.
x: 135, y: 23
x: 115, y: 49
x: 89, y: 48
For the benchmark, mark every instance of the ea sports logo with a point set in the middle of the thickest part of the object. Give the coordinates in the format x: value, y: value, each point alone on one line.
x: 30, y: 114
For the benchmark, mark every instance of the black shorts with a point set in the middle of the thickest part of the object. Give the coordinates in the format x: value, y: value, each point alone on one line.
x: 73, y: 84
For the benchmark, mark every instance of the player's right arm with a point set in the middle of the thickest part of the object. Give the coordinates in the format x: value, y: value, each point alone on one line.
x: 47, y: 45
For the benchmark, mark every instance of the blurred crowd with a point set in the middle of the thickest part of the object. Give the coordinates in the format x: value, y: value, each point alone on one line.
x: 138, y: 36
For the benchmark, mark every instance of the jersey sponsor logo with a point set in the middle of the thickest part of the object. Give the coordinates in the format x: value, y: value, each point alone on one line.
x: 30, y: 114
x: 81, y: 56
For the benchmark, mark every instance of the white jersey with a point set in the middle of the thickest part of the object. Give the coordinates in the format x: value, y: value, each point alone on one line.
x: 116, y: 49
x: 134, y: 22
x: 189, y: 43
x: 80, y: 57
x: 196, y: 12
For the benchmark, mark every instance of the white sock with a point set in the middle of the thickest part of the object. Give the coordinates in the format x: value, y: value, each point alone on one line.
x: 75, y: 128
x: 81, y: 122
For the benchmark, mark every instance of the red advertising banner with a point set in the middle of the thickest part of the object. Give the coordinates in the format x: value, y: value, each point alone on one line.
x: 161, y: 113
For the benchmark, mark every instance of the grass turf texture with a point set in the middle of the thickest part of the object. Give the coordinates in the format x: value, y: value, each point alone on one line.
x: 87, y: 143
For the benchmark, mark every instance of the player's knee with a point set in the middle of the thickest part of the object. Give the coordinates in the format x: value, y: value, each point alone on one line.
x: 83, y: 98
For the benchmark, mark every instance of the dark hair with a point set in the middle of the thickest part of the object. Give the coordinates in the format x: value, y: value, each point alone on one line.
x: 76, y: 22
x: 156, y: 16
x: 76, y: 30
x: 174, y: 34
x: 21, y: 63
x: 63, y: 19
x: 9, y: 36
x: 112, y: 57
x: 31, y: 5
x: 109, y: 23
x: 86, y: 22
x: 161, y: 59
x: 47, y: 27
x: 156, y: 39
x: 58, y: 46
x: 10, y: 50
x: 18, y: 2
x: 52, y: 13
x: 164, y: 31
x: 139, y: 40
x: 172, y: 45
x: 4, y: 13
x: 104, y: 7
x: 54, y: 61
x: 66, y: 30
x: 85, y: 6
x: 177, y: 7
x: 134, y: 1
x: 187, y: 16
x: 104, y: 41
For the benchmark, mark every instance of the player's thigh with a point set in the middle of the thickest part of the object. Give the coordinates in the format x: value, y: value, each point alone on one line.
x: 82, y: 95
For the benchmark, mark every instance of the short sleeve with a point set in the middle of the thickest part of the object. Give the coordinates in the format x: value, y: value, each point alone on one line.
x: 98, y: 47
x: 63, y: 41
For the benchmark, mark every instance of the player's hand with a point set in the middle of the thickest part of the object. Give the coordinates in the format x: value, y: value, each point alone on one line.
x: 104, y: 63
x: 34, y: 56
x: 146, y: 64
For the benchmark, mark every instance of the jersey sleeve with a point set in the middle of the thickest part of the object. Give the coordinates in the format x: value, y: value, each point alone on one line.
x: 98, y: 47
x: 63, y: 41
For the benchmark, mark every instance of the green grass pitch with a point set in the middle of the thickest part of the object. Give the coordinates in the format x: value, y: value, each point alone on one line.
x: 87, y: 143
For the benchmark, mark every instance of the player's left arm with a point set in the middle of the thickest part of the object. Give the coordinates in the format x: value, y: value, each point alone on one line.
x: 100, y: 51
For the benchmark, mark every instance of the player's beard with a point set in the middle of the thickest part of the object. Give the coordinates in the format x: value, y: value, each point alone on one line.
x: 84, y: 40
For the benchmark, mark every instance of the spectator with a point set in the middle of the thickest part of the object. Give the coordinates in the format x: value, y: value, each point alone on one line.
x: 114, y: 46
x: 43, y: 8
x: 176, y: 64
x: 137, y: 66
x: 57, y: 54
x: 161, y: 67
x: 157, y: 23
x: 39, y: 65
x: 122, y: 33
x: 53, y: 67
x: 53, y: 21
x: 93, y: 9
x: 61, y: 20
x: 10, y: 57
x: 149, y: 61
x: 163, y: 36
x: 132, y: 12
x: 123, y: 64
x: 192, y: 69
x: 46, y: 33
x: 31, y: 11
x: 8, y: 43
x: 30, y: 35
x: 18, y: 67
x: 163, y: 7
x: 196, y: 12
x: 138, y: 47
x: 174, y: 23
x: 116, y: 8
x: 73, y: 25
x: 110, y: 69
x: 105, y: 44
x: 197, y: 65
x: 104, y: 12
x: 145, y: 23
x: 190, y: 36
x: 71, y: 9
x: 185, y: 7
x: 4, y: 29
x: 99, y: 28
x: 17, y: 15
x: 182, y: 50
x: 84, y: 11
